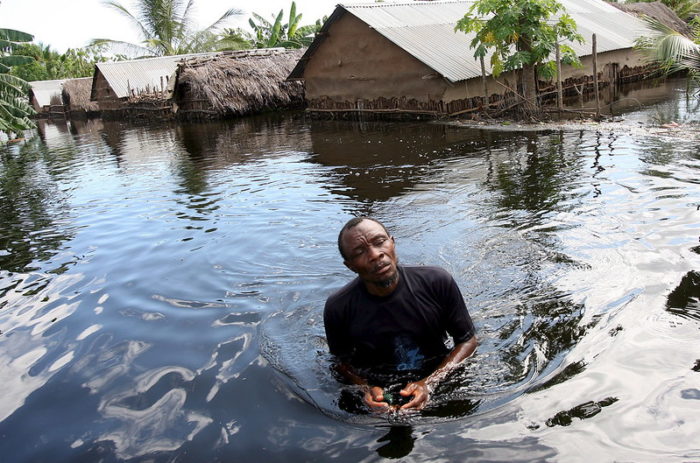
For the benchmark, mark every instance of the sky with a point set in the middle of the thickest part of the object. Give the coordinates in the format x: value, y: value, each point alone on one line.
x: 64, y: 24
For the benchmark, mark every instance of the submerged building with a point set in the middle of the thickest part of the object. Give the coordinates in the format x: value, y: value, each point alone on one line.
x: 399, y: 58
x: 236, y: 83
x: 197, y: 86
x: 45, y: 97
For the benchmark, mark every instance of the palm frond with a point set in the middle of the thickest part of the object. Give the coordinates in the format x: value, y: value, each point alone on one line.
x: 224, y: 17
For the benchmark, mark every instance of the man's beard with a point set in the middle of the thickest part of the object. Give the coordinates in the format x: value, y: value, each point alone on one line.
x: 389, y: 281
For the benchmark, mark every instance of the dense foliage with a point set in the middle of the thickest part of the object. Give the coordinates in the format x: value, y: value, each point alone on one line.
x: 14, y: 108
x: 48, y: 64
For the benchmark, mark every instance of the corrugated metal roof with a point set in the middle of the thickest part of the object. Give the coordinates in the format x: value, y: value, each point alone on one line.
x: 426, y: 31
x: 43, y: 90
x: 141, y: 73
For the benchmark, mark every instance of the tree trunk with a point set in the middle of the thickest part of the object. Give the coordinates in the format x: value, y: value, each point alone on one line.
x: 529, y: 88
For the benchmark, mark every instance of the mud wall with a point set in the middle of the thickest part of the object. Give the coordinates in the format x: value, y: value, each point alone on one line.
x: 356, y: 65
x: 104, y: 95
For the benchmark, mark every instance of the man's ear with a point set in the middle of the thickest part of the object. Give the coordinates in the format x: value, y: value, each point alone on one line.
x: 349, y: 265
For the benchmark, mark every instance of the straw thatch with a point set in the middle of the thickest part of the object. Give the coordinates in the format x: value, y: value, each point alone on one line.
x: 658, y: 11
x: 76, y: 97
x: 236, y: 84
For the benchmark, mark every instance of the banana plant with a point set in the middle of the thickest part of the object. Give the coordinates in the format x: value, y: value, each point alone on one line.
x: 290, y: 34
x: 15, y: 111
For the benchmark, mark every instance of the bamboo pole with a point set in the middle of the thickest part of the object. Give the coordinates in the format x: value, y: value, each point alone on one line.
x: 595, y: 76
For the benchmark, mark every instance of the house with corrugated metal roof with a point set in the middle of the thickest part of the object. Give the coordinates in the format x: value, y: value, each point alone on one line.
x: 114, y: 83
x: 45, y: 93
x: 407, y: 58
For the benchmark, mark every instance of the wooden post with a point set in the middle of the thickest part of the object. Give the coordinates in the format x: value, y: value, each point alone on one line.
x: 483, y: 82
x: 560, y: 97
x: 595, y: 77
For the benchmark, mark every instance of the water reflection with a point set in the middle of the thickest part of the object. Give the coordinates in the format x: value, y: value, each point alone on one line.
x: 397, y: 443
x: 33, y: 207
x: 376, y: 162
x: 538, y: 174
x: 684, y: 300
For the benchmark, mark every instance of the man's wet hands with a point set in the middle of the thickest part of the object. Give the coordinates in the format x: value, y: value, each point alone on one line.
x: 414, y: 396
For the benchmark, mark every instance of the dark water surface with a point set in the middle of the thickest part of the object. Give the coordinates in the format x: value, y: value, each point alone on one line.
x: 161, y: 289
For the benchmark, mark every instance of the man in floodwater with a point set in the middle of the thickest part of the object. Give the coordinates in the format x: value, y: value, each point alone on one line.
x: 392, y: 321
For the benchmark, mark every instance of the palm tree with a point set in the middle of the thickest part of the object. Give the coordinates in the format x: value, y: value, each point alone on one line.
x: 14, y: 108
x: 166, y: 28
x: 672, y: 50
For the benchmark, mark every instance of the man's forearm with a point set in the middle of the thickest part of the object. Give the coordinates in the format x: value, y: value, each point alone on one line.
x: 349, y: 373
x: 457, y: 355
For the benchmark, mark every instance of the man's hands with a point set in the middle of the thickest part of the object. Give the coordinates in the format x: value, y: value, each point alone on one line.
x: 374, y: 397
x: 419, y: 391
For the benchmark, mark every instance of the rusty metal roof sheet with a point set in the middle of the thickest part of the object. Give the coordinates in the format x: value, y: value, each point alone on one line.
x: 425, y: 29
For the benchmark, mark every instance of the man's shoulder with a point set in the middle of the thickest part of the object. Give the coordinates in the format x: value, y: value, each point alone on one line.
x: 343, y: 293
x: 427, y: 272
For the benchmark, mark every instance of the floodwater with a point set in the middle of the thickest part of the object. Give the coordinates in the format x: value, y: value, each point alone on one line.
x: 162, y: 288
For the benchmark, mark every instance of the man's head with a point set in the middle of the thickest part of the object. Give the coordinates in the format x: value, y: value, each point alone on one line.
x: 368, y: 250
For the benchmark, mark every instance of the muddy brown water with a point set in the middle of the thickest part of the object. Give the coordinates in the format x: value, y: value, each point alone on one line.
x: 161, y: 288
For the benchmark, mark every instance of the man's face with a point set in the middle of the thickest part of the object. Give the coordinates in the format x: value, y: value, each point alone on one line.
x: 370, y: 253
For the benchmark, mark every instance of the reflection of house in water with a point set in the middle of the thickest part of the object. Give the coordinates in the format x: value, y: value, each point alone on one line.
x: 406, y: 58
x: 222, y: 143
x: 377, y: 161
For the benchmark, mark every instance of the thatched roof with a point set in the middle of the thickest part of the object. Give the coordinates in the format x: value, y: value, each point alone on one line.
x: 237, y: 84
x: 76, y: 95
x: 658, y: 11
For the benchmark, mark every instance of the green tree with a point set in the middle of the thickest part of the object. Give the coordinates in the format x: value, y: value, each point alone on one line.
x: 48, y: 64
x: 291, y: 34
x: 14, y: 107
x: 166, y: 28
x: 523, y: 36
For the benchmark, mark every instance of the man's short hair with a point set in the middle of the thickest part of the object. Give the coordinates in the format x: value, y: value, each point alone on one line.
x: 352, y: 223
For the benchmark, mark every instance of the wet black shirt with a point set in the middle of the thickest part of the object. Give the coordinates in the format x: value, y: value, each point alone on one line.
x: 405, y: 331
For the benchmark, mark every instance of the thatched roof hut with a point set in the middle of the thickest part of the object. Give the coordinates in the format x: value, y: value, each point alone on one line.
x: 236, y: 84
x: 76, y: 98
x: 658, y: 11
